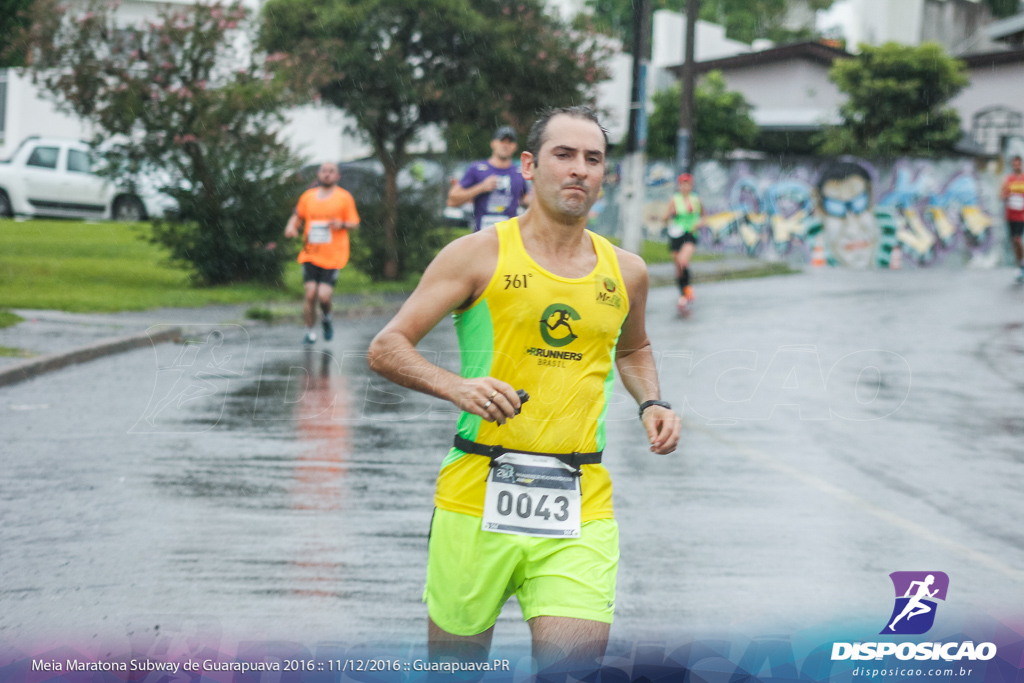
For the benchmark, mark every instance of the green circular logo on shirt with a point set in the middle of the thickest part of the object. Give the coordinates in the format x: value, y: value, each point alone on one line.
x: 555, y: 327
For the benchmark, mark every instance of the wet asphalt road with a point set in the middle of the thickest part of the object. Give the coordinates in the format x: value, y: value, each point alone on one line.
x: 838, y: 426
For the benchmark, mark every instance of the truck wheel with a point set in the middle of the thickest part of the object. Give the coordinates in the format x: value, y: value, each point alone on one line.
x: 6, y: 210
x: 128, y: 209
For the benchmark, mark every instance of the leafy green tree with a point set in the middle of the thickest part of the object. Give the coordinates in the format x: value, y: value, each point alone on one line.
x: 897, y: 102
x: 399, y: 66
x: 14, y: 18
x: 177, y: 97
x: 744, y: 20
x: 723, y: 120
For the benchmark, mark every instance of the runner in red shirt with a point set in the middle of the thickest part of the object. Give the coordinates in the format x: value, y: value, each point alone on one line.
x: 1013, y: 196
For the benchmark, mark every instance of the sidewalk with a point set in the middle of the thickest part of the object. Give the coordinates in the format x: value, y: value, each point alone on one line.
x: 54, y: 339
x: 53, y: 332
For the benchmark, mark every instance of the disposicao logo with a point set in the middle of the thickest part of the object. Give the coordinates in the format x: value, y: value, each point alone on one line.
x: 916, y: 595
x: 914, y: 614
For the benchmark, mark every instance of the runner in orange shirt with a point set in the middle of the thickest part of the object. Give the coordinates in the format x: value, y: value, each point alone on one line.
x: 326, y: 213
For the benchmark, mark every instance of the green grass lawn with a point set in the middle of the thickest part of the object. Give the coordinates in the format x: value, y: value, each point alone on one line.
x: 82, y: 267
x: 87, y: 267
x: 7, y: 319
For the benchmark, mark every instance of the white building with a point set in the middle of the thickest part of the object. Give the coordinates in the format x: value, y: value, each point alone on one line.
x: 787, y: 87
x: 668, y: 45
x: 957, y: 25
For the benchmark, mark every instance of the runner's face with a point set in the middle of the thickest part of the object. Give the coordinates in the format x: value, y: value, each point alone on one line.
x: 685, y: 186
x: 328, y: 175
x: 1016, y: 165
x: 569, y: 168
x: 504, y: 148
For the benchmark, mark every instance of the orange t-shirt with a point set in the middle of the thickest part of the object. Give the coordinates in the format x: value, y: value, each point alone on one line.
x: 323, y: 246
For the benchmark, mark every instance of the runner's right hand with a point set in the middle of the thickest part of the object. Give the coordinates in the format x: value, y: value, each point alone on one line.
x: 488, y: 184
x: 490, y: 398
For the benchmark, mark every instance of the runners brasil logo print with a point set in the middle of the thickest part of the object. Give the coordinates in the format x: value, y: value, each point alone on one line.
x: 916, y: 595
x: 556, y: 325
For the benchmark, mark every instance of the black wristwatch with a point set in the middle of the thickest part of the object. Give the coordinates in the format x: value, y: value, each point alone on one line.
x: 647, y: 404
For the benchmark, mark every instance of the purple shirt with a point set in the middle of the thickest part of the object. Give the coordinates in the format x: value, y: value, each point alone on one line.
x: 499, y: 204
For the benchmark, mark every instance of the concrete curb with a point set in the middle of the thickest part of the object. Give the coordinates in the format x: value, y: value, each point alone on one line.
x: 55, y: 361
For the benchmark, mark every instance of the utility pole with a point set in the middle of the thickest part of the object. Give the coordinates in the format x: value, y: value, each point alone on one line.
x: 631, y: 204
x: 687, y: 115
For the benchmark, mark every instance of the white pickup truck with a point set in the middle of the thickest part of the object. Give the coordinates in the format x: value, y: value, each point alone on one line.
x: 54, y: 177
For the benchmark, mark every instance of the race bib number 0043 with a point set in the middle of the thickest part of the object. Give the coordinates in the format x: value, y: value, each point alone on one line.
x: 532, y: 495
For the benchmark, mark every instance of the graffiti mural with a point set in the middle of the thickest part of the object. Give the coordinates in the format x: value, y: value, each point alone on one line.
x: 911, y: 213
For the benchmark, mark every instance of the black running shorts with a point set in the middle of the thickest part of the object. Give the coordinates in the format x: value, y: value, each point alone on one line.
x: 676, y: 243
x: 323, y: 276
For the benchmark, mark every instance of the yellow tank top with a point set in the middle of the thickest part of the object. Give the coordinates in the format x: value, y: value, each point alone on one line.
x: 554, y: 337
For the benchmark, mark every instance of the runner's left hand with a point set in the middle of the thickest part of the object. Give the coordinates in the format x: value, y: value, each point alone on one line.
x: 662, y: 427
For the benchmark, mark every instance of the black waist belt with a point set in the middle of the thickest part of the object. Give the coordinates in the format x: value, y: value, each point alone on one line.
x: 574, y: 459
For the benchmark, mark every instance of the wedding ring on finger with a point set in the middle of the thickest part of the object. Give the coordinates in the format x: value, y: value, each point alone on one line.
x: 488, y: 404
x: 493, y: 394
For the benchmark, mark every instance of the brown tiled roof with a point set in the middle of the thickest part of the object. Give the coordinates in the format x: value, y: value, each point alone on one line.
x: 989, y: 59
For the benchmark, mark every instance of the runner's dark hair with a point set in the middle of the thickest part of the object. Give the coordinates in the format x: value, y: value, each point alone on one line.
x: 536, y: 138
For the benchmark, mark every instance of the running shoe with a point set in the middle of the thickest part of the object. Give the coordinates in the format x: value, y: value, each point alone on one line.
x: 688, y: 293
x: 1020, y: 276
x: 328, y: 329
x: 310, y: 338
x: 682, y: 305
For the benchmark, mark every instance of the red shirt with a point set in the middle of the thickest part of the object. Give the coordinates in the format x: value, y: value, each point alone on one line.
x: 1013, y: 188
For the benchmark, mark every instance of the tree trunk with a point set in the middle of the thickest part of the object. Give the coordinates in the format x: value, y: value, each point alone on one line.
x: 390, y: 222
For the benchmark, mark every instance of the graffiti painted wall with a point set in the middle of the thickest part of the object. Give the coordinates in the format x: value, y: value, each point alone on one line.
x: 911, y: 213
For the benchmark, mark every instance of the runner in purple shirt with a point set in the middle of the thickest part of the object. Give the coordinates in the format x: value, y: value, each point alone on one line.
x: 495, y: 185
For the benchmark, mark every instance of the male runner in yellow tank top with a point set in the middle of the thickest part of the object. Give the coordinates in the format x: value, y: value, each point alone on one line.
x: 523, y: 505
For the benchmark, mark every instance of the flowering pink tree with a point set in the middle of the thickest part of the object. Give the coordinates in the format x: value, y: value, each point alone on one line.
x: 182, y: 95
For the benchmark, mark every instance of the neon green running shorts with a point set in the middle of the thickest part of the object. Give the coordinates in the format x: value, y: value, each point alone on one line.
x: 471, y: 573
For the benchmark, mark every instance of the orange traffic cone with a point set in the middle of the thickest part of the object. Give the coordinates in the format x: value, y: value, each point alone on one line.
x: 818, y: 255
x: 896, y: 259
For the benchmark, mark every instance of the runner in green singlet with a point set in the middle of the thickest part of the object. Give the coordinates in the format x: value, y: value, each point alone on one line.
x: 683, y: 218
